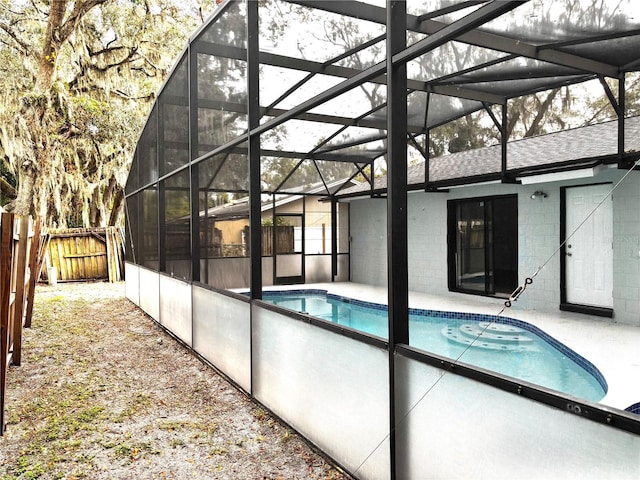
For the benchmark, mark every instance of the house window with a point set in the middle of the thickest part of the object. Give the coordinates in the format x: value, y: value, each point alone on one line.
x: 483, y: 245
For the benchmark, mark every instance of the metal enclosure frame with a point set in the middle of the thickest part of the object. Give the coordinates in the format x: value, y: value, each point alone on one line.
x: 558, y: 64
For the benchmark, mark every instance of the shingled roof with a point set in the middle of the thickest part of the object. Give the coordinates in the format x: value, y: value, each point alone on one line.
x: 571, y: 149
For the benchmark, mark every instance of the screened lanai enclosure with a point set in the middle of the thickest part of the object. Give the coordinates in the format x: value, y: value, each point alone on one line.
x: 308, y: 160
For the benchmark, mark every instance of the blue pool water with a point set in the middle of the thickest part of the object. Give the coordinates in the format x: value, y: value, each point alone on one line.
x: 507, y: 346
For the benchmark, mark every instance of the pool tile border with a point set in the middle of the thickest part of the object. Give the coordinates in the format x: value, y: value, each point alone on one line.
x: 465, y: 316
x: 635, y: 408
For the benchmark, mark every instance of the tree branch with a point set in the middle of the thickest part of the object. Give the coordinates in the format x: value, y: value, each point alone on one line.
x: 9, y: 31
x: 144, y: 71
x: 108, y: 66
x: 126, y: 96
x: 80, y: 9
x: 84, y: 66
x: 38, y: 9
x: 7, y: 189
x: 542, y: 111
x: 106, y: 50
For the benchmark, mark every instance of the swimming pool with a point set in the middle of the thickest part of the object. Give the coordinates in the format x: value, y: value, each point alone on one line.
x: 504, y: 345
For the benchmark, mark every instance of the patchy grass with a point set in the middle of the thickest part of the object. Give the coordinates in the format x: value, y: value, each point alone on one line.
x: 135, y: 406
x: 104, y: 393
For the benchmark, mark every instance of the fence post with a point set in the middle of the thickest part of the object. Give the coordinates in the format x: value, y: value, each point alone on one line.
x: 22, y: 247
x: 6, y: 239
x: 34, y: 270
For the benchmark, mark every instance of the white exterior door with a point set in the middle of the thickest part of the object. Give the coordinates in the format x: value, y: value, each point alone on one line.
x: 589, y: 252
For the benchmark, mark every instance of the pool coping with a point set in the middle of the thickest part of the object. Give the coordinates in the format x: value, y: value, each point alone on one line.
x: 610, y: 346
x: 578, y: 359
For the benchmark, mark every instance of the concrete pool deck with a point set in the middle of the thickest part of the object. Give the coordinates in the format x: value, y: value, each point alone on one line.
x: 612, y: 347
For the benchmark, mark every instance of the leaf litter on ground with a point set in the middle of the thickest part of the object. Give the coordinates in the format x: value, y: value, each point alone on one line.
x: 104, y: 393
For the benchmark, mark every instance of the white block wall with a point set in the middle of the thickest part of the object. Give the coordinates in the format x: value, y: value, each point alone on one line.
x: 427, y: 247
x: 626, y: 251
x: 538, y: 241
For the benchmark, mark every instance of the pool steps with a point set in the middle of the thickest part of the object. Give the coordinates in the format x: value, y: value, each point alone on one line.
x: 490, y: 336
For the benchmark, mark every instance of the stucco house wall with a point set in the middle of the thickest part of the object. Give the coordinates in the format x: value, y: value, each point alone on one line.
x: 539, y: 227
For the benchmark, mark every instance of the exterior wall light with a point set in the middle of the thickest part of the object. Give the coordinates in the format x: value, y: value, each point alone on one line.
x: 538, y: 194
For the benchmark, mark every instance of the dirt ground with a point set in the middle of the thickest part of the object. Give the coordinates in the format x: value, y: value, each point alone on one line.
x: 103, y: 393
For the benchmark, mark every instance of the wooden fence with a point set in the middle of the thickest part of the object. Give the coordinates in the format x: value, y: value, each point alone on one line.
x: 283, y: 236
x: 21, y: 255
x: 85, y: 254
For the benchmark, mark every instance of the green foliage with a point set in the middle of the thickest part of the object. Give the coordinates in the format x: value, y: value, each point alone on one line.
x: 6, y: 172
x: 25, y: 469
x: 69, y: 119
x: 280, y: 222
x: 70, y: 116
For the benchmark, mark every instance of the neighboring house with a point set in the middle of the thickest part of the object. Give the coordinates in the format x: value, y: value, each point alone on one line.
x: 477, y: 235
x: 303, y: 236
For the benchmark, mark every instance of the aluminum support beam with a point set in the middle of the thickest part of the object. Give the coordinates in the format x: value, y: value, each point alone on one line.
x: 334, y: 238
x: 193, y: 167
x: 477, y: 38
x: 397, y: 251
x: 253, y: 142
x: 313, y: 68
x: 612, y: 99
x: 621, y: 113
x: 504, y: 142
x: 194, y: 178
x: 448, y: 33
x: 466, y: 93
x: 454, y: 30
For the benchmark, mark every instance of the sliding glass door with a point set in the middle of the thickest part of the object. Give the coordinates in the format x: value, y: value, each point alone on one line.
x: 483, y: 245
x: 472, y: 269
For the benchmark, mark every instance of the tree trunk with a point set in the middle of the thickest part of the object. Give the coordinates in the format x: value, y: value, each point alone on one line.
x: 514, y: 116
x: 28, y: 171
x: 50, y: 45
x: 109, y: 191
x: 24, y: 200
x: 95, y: 217
x: 116, y: 208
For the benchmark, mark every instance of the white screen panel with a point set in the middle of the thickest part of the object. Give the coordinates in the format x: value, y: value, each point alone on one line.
x: 267, y: 271
x: 317, y: 268
x: 332, y: 389
x: 150, y: 293
x: 289, y: 265
x: 175, y: 307
x: 179, y: 268
x: 464, y: 429
x: 226, y: 273
x: 132, y: 282
x: 222, y: 333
